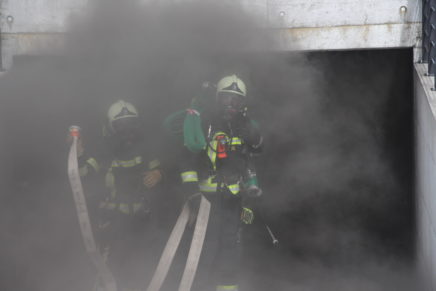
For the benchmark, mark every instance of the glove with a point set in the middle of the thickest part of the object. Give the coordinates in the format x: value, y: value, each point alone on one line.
x: 151, y: 178
x: 247, y: 215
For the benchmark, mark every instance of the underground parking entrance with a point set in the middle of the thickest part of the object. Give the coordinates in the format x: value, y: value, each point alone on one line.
x: 337, y: 172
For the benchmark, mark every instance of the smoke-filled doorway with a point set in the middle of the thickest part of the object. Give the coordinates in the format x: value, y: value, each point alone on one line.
x: 337, y: 168
x: 337, y: 172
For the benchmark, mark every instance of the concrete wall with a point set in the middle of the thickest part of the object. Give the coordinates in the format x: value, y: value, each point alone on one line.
x: 331, y: 24
x: 425, y: 108
x: 32, y: 26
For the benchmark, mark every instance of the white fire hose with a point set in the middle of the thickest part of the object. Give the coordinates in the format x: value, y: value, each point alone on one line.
x: 173, y: 243
x: 106, y: 278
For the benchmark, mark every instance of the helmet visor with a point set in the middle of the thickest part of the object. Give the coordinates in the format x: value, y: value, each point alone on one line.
x: 125, y: 126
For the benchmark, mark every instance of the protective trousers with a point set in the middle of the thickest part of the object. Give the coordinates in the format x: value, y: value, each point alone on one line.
x: 220, y: 259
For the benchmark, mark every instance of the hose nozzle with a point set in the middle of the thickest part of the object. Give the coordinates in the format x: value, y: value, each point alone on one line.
x: 74, y: 130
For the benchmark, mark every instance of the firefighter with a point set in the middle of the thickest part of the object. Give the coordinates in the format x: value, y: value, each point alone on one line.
x: 221, y: 169
x: 122, y: 210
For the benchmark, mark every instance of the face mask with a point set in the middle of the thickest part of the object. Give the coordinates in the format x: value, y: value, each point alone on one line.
x: 230, y: 104
x: 126, y: 128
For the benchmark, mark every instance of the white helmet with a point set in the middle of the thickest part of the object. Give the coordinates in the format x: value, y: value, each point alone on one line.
x: 119, y: 110
x: 232, y: 84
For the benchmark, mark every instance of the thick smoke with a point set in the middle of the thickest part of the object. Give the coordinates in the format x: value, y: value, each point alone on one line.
x: 335, y: 171
x: 339, y: 169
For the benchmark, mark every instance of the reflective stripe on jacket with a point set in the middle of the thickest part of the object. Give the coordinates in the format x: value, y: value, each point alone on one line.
x: 209, y: 184
x: 122, y: 202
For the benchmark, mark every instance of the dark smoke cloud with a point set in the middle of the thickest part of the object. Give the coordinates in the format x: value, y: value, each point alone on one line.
x: 333, y: 185
x: 339, y: 171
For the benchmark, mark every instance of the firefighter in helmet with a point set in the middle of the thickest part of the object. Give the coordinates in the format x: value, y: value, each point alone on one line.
x: 122, y: 208
x: 219, y: 165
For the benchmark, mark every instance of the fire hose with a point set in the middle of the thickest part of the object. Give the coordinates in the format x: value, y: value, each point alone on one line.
x: 173, y: 244
x: 107, y: 279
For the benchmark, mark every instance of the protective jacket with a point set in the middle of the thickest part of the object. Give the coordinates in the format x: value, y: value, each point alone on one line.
x: 224, y: 162
x: 122, y: 173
